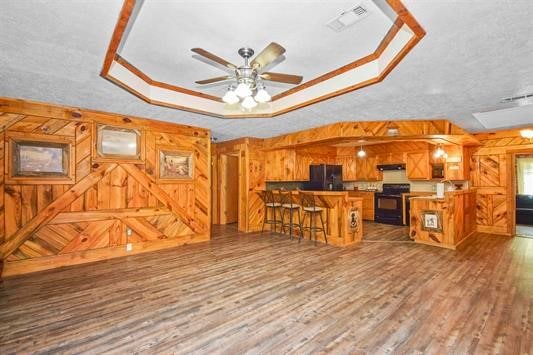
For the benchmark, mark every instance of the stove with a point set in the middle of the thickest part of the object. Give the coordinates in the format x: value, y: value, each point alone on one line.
x: 388, y: 204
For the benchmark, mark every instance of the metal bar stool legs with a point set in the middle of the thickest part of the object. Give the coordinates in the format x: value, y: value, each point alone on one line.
x: 272, y: 205
x: 288, y: 205
x: 311, y: 209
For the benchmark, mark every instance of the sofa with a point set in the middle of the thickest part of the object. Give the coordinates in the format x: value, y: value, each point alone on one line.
x: 524, y: 209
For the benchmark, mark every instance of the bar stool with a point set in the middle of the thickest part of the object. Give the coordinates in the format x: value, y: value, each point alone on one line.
x: 288, y: 205
x: 311, y: 209
x: 271, y: 202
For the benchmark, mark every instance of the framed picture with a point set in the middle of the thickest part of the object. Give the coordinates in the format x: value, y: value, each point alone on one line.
x: 431, y: 221
x: 353, y: 220
x: 30, y: 161
x: 120, y: 143
x: 175, y: 165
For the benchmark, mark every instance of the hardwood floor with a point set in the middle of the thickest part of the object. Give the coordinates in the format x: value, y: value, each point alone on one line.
x: 265, y: 294
x: 379, y: 232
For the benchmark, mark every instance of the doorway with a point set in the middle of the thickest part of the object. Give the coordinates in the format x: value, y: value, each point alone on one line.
x: 229, y: 189
x: 524, y: 195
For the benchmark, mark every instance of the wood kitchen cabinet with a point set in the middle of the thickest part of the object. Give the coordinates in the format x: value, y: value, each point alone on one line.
x: 418, y: 165
x: 280, y: 165
x: 368, y: 203
x: 367, y: 169
x: 349, y: 167
x: 301, y: 172
x: 391, y: 158
x: 457, y: 166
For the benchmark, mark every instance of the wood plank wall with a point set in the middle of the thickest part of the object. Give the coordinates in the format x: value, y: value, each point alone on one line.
x: 251, y: 179
x: 47, y: 225
x: 492, y: 174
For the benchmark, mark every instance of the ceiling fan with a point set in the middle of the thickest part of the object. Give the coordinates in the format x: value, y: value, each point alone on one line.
x: 248, y: 78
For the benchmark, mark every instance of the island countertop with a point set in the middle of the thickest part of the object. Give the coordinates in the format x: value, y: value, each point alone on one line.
x: 337, y: 208
x: 454, y: 219
x: 447, y: 194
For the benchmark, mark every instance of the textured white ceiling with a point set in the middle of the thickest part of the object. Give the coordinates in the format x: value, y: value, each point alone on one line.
x: 164, y: 32
x: 475, y: 52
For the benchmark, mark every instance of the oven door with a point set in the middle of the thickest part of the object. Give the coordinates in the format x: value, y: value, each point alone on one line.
x: 388, y: 209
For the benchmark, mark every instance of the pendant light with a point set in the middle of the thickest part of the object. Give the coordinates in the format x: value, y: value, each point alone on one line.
x: 439, y: 152
x: 361, y: 153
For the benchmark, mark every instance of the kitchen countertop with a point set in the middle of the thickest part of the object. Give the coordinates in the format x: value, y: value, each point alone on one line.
x: 434, y: 197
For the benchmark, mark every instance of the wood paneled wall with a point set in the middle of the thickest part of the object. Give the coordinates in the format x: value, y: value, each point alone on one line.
x: 47, y: 224
x: 251, y: 177
x: 493, y: 174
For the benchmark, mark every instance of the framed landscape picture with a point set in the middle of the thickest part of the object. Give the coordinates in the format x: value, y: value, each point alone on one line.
x: 120, y: 143
x: 431, y: 221
x: 32, y: 161
x: 175, y: 165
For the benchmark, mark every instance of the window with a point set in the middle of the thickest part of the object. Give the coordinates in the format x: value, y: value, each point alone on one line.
x: 524, y: 168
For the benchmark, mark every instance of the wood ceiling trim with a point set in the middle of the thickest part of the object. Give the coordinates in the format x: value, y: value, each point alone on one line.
x: 404, y: 17
x: 119, y: 59
x: 388, y: 37
x: 118, y: 33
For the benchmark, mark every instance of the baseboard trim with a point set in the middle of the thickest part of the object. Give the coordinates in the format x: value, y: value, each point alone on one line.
x: 27, y: 266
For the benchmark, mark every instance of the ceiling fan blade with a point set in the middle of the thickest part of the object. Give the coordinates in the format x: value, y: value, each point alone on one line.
x: 282, y: 78
x: 213, y: 80
x: 267, y: 56
x: 214, y: 58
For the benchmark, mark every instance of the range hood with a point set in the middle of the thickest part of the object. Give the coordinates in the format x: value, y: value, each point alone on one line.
x: 383, y: 167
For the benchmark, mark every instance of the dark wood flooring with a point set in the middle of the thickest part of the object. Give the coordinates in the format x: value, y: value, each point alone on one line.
x: 266, y: 294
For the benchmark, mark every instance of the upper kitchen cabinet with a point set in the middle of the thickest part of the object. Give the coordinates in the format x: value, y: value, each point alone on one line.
x: 280, y: 165
x: 457, y: 166
x: 391, y: 158
x: 418, y: 165
x: 349, y: 167
x: 367, y: 169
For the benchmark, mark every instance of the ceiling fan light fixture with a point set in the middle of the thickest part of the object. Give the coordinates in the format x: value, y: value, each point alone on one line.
x: 230, y: 97
x: 262, y: 96
x: 248, y: 103
x: 243, y: 90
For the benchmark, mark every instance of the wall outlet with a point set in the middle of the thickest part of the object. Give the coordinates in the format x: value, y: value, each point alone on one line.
x: 129, y: 232
x: 129, y: 247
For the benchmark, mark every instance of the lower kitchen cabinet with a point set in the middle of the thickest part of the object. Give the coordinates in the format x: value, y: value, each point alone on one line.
x: 368, y: 203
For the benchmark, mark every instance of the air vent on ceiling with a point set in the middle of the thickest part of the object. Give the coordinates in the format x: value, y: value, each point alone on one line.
x: 348, y: 18
x: 516, y: 98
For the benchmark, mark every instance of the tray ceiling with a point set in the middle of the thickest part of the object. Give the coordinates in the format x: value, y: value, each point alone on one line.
x: 160, y: 45
x: 334, y: 62
x: 474, y: 54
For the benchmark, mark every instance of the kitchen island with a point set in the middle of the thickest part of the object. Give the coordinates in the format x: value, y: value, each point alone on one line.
x: 444, y: 222
x: 339, y: 210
